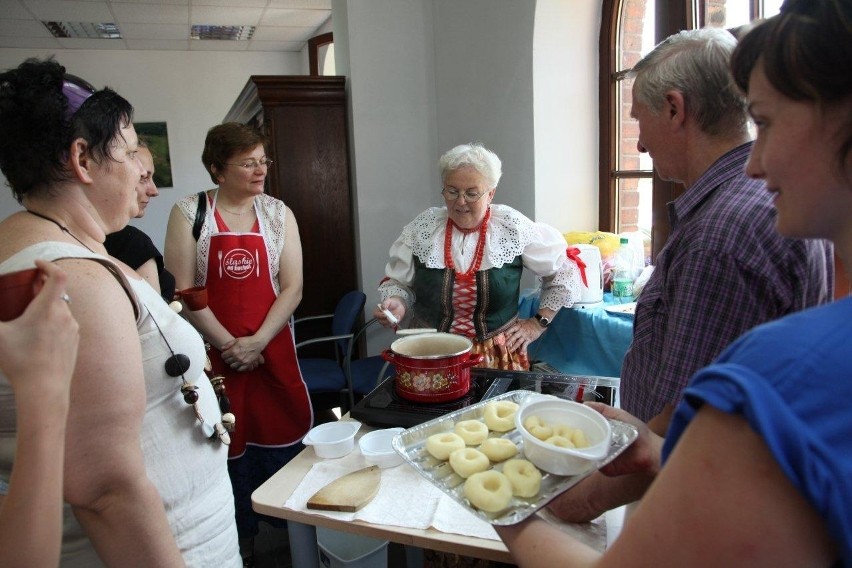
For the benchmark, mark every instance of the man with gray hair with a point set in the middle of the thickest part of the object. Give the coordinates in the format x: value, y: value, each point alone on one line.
x: 724, y: 269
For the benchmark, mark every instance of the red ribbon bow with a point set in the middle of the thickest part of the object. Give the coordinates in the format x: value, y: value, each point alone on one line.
x: 573, y: 253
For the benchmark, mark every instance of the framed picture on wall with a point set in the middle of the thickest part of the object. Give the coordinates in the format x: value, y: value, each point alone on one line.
x: 157, y: 136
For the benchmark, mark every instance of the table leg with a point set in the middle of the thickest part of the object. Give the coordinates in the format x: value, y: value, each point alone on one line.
x: 303, y: 545
x: 413, y: 557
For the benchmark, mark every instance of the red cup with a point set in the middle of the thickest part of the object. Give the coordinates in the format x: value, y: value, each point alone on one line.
x: 17, y: 289
x: 195, y: 298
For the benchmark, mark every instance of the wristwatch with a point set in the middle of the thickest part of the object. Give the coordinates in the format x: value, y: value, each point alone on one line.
x: 542, y: 321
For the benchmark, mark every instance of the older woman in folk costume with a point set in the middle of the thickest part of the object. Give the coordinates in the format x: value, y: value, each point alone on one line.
x: 243, y: 246
x: 459, y: 267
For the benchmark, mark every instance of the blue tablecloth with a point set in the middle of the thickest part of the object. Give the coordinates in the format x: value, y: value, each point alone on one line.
x: 581, y: 341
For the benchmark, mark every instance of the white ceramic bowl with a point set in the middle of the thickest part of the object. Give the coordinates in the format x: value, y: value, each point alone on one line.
x: 377, y: 447
x: 564, y: 461
x: 333, y: 439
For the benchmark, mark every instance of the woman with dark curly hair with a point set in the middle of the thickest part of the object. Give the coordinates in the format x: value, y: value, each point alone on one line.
x: 145, y: 477
x: 758, y: 458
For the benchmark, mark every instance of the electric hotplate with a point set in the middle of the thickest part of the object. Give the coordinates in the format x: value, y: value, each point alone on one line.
x: 383, y: 407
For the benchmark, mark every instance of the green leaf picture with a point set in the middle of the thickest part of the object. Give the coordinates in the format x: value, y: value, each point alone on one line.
x: 156, y: 134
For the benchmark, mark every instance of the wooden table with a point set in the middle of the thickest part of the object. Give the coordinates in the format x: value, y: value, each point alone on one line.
x: 270, y: 497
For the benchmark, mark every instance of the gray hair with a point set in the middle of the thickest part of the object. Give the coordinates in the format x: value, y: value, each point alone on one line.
x: 476, y: 156
x: 695, y: 63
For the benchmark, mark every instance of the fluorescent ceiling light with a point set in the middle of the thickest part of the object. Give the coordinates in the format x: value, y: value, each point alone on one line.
x: 232, y: 33
x: 83, y: 30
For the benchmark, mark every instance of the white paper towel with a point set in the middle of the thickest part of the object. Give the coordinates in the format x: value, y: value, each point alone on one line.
x: 405, y: 499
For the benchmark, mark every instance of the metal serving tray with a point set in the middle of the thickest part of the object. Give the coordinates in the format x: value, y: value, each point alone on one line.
x: 411, y: 445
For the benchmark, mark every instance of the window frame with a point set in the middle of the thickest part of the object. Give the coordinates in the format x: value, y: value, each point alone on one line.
x: 314, y: 45
x: 670, y: 17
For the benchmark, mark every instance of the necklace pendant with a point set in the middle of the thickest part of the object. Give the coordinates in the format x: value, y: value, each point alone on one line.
x: 229, y: 421
x: 222, y: 433
x: 177, y: 365
x: 190, y: 393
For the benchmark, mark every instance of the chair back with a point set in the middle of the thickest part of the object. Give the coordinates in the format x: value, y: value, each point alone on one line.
x: 345, y: 317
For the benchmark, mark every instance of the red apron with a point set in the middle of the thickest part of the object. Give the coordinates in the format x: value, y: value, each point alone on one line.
x: 271, y: 403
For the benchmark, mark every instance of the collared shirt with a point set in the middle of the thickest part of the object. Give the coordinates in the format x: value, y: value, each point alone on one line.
x: 724, y: 270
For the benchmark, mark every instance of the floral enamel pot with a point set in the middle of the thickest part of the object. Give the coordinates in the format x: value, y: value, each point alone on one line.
x: 432, y: 367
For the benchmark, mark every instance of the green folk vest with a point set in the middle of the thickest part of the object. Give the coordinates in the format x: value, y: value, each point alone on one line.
x: 497, y: 293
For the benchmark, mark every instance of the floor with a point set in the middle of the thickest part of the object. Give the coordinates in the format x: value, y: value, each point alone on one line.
x: 272, y: 550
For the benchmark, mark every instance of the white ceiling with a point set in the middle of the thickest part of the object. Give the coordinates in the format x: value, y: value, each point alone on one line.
x: 282, y: 25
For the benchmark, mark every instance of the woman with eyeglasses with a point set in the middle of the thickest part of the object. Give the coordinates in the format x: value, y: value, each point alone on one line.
x: 458, y: 268
x: 757, y: 463
x: 242, y: 245
x: 145, y: 479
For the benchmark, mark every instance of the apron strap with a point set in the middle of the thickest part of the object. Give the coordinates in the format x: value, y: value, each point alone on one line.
x: 200, y: 213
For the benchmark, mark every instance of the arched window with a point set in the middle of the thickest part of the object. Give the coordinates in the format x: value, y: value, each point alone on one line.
x: 632, y: 198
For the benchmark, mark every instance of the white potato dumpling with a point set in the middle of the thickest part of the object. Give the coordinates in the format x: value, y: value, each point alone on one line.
x: 560, y: 442
x: 499, y: 415
x: 524, y: 477
x: 536, y: 426
x: 563, y: 430
x: 473, y: 432
x: 541, y: 432
x: 575, y: 435
x: 441, y: 445
x: 579, y: 438
x: 488, y: 491
x: 534, y: 420
x: 468, y: 461
x: 498, y: 449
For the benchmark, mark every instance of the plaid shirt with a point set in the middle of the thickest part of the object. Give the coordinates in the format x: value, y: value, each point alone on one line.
x: 724, y: 270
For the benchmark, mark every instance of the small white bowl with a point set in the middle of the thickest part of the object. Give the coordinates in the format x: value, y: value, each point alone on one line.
x: 564, y: 461
x: 377, y: 447
x: 333, y: 439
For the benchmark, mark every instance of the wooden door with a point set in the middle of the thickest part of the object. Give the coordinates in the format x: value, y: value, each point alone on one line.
x: 306, y: 120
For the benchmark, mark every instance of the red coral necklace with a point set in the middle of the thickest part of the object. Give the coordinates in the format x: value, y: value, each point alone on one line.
x: 480, y: 248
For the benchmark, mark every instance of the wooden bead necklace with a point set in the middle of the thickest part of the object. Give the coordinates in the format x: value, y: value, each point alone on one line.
x: 470, y: 273
x: 177, y: 365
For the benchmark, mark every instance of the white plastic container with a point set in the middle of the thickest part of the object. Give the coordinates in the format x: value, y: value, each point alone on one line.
x: 636, y: 240
x: 333, y: 439
x: 564, y: 461
x: 591, y: 296
x: 345, y: 550
x: 377, y: 447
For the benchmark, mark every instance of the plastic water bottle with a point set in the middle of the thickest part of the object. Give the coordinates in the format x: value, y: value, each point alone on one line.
x: 622, y: 275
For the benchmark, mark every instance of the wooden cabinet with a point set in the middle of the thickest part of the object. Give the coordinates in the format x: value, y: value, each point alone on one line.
x: 306, y: 121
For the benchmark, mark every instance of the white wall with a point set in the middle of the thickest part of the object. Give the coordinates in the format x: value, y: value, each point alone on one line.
x: 484, y: 62
x: 566, y: 113
x: 385, y: 47
x: 190, y: 91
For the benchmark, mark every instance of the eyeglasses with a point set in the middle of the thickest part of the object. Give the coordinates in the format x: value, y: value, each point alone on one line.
x: 452, y: 194
x: 252, y: 165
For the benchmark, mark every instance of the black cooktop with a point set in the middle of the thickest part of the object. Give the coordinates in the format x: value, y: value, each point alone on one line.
x: 383, y: 407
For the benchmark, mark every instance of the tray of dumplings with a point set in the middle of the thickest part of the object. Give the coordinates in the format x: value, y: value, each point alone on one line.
x: 476, y: 453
